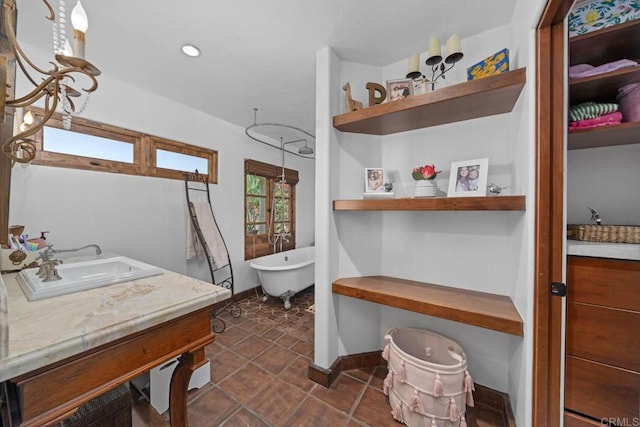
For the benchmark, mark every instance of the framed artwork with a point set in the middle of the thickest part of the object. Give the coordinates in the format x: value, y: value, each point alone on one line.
x: 468, y: 178
x: 398, y: 89
x: 374, y: 179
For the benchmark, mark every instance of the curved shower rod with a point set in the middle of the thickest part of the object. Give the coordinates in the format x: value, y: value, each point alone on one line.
x: 305, y: 152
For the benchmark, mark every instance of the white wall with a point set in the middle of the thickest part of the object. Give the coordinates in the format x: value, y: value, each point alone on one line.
x: 484, y: 251
x: 606, y: 180
x: 146, y: 218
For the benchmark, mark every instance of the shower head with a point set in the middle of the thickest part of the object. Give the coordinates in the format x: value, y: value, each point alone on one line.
x: 306, y: 150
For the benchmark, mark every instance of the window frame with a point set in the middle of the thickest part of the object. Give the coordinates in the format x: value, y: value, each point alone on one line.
x: 144, y: 150
x: 256, y: 245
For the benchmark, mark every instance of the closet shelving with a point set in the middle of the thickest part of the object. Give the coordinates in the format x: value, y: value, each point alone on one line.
x: 597, y: 48
x: 473, y: 99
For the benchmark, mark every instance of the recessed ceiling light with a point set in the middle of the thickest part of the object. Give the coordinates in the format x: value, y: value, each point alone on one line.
x: 190, y: 50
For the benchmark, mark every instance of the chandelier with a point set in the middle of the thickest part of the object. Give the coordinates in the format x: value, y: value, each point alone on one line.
x: 54, y: 85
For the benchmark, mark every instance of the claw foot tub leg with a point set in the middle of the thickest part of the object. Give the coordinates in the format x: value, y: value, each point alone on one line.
x: 286, y: 297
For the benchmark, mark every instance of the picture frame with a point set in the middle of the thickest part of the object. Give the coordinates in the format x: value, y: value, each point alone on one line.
x: 374, y: 179
x: 468, y: 178
x: 399, y: 88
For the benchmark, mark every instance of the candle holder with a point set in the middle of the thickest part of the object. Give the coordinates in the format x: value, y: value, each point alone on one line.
x: 438, y: 67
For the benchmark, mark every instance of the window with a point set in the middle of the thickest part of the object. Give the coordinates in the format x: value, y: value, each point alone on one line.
x: 269, y: 209
x: 96, y: 146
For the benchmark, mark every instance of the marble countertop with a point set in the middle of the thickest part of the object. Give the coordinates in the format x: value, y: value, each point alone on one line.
x: 628, y: 251
x: 46, y: 331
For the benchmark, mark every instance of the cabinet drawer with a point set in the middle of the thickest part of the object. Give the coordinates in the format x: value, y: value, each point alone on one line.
x: 601, y: 391
x: 575, y: 420
x: 605, y: 335
x: 609, y: 282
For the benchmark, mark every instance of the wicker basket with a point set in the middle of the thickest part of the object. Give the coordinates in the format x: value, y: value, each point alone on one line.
x: 428, y: 383
x: 604, y: 233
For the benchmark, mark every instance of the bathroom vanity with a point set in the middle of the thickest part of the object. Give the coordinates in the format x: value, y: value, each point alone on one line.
x: 602, y: 380
x: 64, y: 351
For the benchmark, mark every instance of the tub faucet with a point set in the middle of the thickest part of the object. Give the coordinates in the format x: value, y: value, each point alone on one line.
x: 595, y: 216
x: 98, y: 250
x: 48, y: 271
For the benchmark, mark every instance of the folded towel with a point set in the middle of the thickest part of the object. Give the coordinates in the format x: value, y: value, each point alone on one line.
x: 211, y: 233
x: 604, y: 120
x: 585, y: 70
x: 590, y: 110
x: 594, y: 125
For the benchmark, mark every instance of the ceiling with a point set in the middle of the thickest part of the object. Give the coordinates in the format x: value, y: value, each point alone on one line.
x: 255, y: 53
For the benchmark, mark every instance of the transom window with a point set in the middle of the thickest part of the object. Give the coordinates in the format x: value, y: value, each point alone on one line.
x: 96, y: 146
x: 269, y: 209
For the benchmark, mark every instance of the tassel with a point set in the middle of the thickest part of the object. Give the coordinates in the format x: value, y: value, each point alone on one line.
x: 438, y: 387
x: 433, y: 422
x: 454, y: 415
x: 463, y: 422
x: 397, y: 412
x: 385, y: 353
x: 402, y: 372
x: 415, y: 404
x: 388, y: 383
x: 469, y: 388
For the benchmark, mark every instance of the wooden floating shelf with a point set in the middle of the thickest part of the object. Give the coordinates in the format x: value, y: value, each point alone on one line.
x: 602, y: 87
x: 484, y: 97
x: 604, y: 136
x: 489, y: 203
x: 485, y: 310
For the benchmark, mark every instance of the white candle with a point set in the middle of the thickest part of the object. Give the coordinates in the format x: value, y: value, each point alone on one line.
x: 414, y: 63
x: 434, y: 47
x: 453, y: 44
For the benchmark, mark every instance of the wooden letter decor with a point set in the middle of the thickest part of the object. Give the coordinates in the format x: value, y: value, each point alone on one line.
x: 349, y: 103
x: 373, y: 88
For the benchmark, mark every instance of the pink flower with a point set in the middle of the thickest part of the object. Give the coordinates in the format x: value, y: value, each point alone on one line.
x: 424, y: 172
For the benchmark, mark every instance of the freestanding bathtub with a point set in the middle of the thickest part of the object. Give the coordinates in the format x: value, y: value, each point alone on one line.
x: 286, y: 273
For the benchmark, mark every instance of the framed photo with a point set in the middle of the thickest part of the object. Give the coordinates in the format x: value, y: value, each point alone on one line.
x: 374, y: 179
x: 398, y: 89
x: 468, y: 178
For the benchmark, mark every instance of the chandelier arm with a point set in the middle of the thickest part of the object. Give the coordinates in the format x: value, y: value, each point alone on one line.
x: 11, y: 35
x: 32, y: 96
x: 52, y: 15
x: 94, y: 85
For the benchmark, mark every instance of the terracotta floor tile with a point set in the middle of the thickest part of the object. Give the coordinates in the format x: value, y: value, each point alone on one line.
x: 374, y: 409
x: 378, y: 377
x: 361, y: 374
x: 261, y: 328
x: 287, y: 341
x: 252, y: 346
x: 224, y: 363
x: 277, y: 403
x: 272, y: 334
x: 231, y: 336
x: 244, y: 418
x: 275, y: 359
x: 211, y: 409
x: 314, y: 413
x: 297, y: 374
x: 245, y: 383
x: 343, y: 393
x: 303, y: 347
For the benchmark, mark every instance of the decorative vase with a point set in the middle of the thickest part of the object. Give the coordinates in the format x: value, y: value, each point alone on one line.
x: 425, y: 188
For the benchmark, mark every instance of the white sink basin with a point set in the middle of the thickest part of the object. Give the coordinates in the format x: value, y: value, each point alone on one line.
x: 81, y: 276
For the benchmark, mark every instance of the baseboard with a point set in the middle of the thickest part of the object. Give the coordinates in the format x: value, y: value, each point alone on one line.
x: 484, y: 396
x: 237, y: 297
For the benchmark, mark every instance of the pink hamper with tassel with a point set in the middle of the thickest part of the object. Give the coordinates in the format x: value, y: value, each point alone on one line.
x: 629, y: 102
x: 428, y: 383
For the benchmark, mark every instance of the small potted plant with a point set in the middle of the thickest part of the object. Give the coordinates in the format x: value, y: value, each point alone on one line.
x: 426, y: 184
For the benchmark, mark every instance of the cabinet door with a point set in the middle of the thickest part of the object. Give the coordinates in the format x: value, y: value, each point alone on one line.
x: 602, y: 391
x: 604, y: 335
x: 607, y: 282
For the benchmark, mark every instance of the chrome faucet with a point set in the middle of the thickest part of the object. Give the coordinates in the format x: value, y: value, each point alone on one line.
x: 595, y: 216
x: 98, y: 250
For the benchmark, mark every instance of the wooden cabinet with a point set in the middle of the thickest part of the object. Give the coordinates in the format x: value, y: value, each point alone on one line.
x: 602, y: 371
x: 597, y: 48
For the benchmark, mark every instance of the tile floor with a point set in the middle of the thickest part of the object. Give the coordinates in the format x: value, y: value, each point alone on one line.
x: 259, y: 378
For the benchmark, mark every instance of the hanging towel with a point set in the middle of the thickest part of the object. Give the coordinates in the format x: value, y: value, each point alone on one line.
x: 212, y: 236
